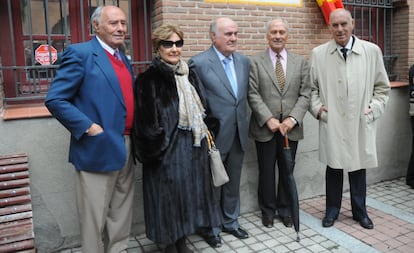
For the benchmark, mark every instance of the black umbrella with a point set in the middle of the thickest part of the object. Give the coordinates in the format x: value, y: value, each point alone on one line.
x: 293, y: 192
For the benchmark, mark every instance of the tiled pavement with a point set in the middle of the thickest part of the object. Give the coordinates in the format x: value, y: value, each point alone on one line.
x: 390, y: 206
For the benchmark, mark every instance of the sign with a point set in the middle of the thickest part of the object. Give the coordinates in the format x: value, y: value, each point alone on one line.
x: 294, y: 3
x: 45, y: 53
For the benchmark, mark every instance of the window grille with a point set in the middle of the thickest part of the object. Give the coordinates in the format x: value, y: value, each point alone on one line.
x: 373, y: 22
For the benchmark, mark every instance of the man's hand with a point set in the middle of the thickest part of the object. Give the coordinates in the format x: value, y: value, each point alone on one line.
x: 94, y: 129
x: 286, y: 126
x: 273, y: 124
x: 322, y: 109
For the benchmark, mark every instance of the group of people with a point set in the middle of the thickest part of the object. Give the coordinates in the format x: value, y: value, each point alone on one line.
x: 163, y: 116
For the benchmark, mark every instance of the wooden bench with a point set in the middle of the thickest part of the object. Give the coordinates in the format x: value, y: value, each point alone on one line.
x: 16, y: 219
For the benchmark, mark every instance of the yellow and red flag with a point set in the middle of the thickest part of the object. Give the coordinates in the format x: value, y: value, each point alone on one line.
x: 327, y: 6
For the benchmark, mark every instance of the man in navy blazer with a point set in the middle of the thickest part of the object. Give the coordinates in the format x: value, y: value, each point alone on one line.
x: 228, y: 104
x: 92, y: 97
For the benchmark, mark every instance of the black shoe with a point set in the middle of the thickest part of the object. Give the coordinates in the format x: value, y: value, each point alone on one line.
x: 327, y: 222
x: 267, y: 221
x: 213, y: 240
x: 238, y: 232
x: 287, y: 221
x: 169, y: 249
x: 182, y: 246
x: 365, y: 222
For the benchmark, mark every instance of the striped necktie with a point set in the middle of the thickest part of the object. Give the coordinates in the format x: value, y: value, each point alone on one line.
x: 280, y: 75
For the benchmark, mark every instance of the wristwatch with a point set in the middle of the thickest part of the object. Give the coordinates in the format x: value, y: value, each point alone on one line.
x: 295, y: 122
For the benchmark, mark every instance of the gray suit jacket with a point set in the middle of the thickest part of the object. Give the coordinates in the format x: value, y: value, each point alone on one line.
x: 230, y: 110
x: 266, y: 100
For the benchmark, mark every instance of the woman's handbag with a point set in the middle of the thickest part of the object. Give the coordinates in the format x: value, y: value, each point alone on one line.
x: 218, y: 171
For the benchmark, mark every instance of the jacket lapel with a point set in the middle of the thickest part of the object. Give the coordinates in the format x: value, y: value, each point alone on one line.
x: 219, y: 70
x: 290, y: 69
x: 103, y: 62
x: 268, y: 67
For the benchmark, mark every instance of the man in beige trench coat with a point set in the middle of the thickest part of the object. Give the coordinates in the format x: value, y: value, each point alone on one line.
x: 349, y: 93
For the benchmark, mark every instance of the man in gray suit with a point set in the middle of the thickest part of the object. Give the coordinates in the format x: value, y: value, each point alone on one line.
x: 278, y: 105
x: 225, y: 76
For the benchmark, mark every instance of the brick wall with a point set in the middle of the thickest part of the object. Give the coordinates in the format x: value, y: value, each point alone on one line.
x: 308, y: 28
x: 401, y: 43
x: 410, y: 32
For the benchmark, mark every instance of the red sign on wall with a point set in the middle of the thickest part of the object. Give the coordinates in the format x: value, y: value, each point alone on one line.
x: 44, y: 54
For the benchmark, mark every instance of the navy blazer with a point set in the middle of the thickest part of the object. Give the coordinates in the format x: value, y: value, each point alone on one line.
x: 86, y: 90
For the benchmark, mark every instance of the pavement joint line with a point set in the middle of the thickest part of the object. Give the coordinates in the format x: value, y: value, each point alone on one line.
x: 381, y: 206
x: 335, y: 235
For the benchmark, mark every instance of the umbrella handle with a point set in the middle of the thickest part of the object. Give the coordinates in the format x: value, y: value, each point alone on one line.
x: 286, y: 141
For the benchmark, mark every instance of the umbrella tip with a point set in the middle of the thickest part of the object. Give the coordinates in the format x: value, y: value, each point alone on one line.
x: 297, y: 237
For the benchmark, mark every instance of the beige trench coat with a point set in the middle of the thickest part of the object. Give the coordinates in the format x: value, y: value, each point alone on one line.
x: 347, y: 137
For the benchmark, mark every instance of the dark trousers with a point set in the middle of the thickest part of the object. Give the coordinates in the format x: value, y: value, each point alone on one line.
x: 268, y: 154
x: 358, y: 188
x: 410, y: 170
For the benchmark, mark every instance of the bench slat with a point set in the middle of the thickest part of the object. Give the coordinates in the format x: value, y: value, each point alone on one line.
x: 14, y: 175
x: 14, y: 183
x: 13, y: 168
x: 15, y: 209
x: 15, y: 216
x: 14, y: 160
x: 17, y: 246
x: 15, y: 200
x: 14, y: 192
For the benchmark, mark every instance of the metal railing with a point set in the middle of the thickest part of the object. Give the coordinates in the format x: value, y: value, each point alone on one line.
x: 32, y: 83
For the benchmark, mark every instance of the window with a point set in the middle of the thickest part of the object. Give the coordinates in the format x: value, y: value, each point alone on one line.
x: 39, y: 30
x: 373, y: 22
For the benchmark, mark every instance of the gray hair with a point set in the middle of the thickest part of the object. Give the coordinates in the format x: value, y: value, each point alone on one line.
x: 213, y: 27
x: 96, y: 15
x: 281, y: 19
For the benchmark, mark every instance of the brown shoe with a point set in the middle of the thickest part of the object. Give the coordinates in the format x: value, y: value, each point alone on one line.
x: 287, y: 221
x: 267, y: 221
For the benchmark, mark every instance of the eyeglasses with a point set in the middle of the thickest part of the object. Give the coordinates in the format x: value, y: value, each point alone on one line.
x: 169, y: 44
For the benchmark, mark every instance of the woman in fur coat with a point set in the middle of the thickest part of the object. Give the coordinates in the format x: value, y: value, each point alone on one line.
x: 170, y: 141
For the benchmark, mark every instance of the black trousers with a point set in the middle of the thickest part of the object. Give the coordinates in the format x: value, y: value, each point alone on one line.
x: 410, y: 170
x: 268, y: 155
x: 358, y: 188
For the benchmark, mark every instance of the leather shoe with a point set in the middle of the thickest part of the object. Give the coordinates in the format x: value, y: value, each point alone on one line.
x: 267, y: 221
x: 327, y: 222
x: 287, y: 221
x: 238, y: 232
x: 365, y: 222
x: 214, y: 241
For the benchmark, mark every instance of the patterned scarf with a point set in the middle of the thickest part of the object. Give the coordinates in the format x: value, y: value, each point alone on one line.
x: 191, y: 110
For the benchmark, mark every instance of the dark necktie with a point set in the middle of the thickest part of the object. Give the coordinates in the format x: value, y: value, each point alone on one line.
x: 344, y: 51
x: 280, y: 75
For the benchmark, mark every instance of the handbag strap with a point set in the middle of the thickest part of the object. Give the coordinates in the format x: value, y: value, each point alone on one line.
x: 210, y: 140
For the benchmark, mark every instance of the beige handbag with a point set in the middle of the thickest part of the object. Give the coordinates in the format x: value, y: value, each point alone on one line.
x: 218, y: 171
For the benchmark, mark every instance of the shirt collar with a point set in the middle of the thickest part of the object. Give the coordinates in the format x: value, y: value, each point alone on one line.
x: 273, y: 54
x: 106, y: 46
x: 221, y: 56
x: 348, y: 45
